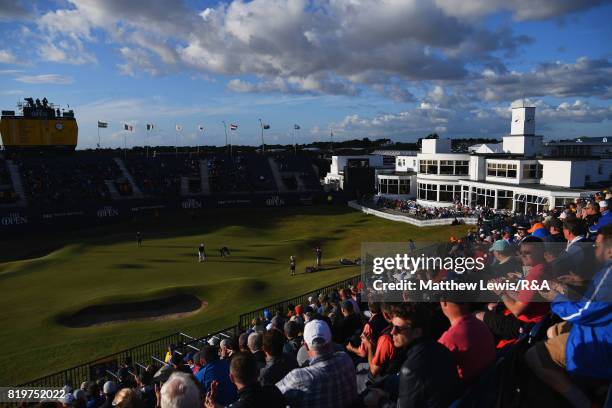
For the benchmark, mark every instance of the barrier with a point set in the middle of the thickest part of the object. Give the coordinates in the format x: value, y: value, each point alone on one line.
x: 410, y: 220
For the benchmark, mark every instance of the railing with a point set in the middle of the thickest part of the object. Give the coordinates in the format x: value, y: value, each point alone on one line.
x: 142, y: 355
x: 246, y: 318
x: 411, y: 220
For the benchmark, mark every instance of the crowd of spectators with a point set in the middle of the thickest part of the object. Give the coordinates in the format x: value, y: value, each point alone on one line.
x: 546, y: 347
x: 162, y: 176
x: 7, y: 192
x: 457, y: 210
x: 67, y: 179
x: 240, y: 173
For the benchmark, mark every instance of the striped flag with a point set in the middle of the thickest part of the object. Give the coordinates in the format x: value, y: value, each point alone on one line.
x: 127, y: 127
x: 233, y: 126
x: 201, y: 128
x: 150, y: 126
x: 179, y: 128
x: 296, y: 127
x: 102, y: 124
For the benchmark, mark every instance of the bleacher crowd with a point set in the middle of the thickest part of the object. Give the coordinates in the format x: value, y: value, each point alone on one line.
x: 340, y: 349
x: 412, y: 208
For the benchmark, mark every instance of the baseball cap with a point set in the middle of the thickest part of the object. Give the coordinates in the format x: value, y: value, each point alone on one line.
x: 540, y: 233
x: 499, y: 245
x: 109, y: 387
x: 317, y: 331
x: 603, y: 204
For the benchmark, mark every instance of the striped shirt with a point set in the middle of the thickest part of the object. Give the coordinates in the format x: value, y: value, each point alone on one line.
x: 329, y: 381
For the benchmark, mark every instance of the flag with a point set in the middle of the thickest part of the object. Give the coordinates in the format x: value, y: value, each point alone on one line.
x: 127, y: 127
x: 150, y: 126
x: 179, y: 128
x: 201, y: 128
x: 233, y: 126
x: 296, y: 127
x: 266, y: 126
x: 102, y: 124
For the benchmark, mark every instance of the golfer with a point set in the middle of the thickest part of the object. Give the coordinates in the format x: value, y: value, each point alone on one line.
x: 292, y: 265
x: 201, y: 253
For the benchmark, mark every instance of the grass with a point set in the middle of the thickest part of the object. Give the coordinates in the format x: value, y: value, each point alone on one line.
x: 76, y: 269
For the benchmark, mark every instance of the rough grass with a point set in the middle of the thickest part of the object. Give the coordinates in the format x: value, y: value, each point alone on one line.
x: 74, y: 270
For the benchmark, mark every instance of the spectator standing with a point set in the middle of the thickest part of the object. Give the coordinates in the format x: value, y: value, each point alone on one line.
x: 278, y: 364
x: 292, y: 265
x: 318, y: 255
x: 201, y: 253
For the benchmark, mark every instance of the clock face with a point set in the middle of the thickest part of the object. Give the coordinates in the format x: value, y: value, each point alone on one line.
x: 59, y: 126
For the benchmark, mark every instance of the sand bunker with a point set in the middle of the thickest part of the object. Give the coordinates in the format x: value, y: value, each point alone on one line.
x: 171, y: 307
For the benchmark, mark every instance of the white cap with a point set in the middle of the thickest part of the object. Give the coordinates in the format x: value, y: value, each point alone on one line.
x: 109, y: 387
x: 67, y: 399
x: 317, y: 329
x: 603, y: 204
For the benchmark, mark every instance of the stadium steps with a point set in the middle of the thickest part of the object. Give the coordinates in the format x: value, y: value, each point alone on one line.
x: 282, y: 188
x: 136, y: 191
x: 204, y: 177
x: 112, y: 190
x: 17, y: 183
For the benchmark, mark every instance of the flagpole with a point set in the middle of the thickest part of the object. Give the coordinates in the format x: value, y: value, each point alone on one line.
x: 124, y: 144
x: 263, y: 145
x: 225, y: 127
x: 176, y: 143
x: 293, y: 138
x: 98, y: 135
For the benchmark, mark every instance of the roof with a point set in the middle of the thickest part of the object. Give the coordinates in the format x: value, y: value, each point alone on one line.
x: 533, y: 186
x: 583, y: 141
x: 395, y: 152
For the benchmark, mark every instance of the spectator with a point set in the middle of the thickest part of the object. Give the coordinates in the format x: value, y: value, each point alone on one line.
x: 144, y: 383
x: 468, y: 339
x: 555, y: 227
x: 294, y: 340
x: 243, y: 341
x: 524, y: 306
x: 349, y: 326
x: 278, y: 364
x: 581, y: 344
x: 214, y: 369
x: 428, y: 376
x: 329, y: 380
x: 180, y: 391
x: 226, y: 349
x: 505, y: 262
x: 243, y: 373
x: 94, y: 399
x: 255, y: 343
x: 127, y: 398
x: 109, y: 389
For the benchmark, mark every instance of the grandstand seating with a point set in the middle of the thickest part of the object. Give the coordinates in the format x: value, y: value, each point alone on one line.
x: 64, y: 179
x: 246, y: 172
x: 161, y: 176
x: 7, y: 192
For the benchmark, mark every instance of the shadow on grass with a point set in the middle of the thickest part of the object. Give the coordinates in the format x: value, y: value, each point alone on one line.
x: 130, y: 266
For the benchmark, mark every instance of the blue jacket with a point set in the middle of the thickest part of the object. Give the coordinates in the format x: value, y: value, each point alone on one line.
x: 589, y: 345
x: 218, y: 370
x: 605, y: 219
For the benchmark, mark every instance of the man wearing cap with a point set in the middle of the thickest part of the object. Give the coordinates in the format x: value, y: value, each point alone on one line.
x: 109, y: 389
x: 504, y: 261
x: 604, y: 219
x: 329, y: 380
x: 555, y: 229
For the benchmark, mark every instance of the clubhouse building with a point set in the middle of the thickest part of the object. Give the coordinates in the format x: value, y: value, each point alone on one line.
x: 522, y: 174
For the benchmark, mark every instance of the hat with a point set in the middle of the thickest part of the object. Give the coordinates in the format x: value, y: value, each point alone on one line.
x: 267, y: 314
x: 603, y: 204
x: 214, y: 341
x: 80, y: 394
x: 536, y: 226
x: 317, y: 330
x: 310, y: 298
x: 298, y: 309
x: 109, y: 387
x: 499, y: 245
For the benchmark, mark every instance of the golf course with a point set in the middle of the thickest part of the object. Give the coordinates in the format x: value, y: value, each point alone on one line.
x: 72, y: 296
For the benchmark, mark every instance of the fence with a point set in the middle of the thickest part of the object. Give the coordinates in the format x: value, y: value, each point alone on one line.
x: 246, y: 318
x: 410, y: 220
x: 149, y: 353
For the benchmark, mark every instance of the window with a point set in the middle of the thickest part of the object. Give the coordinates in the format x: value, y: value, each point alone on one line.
x: 462, y: 168
x: 450, y: 192
x: 404, y: 186
x: 447, y: 167
x: 428, y: 192
x: 532, y: 171
x: 428, y: 166
x: 501, y: 170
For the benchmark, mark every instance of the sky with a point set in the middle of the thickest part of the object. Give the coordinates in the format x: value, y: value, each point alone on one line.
x: 397, y: 69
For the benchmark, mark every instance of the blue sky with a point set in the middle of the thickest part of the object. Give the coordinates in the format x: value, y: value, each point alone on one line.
x: 395, y: 68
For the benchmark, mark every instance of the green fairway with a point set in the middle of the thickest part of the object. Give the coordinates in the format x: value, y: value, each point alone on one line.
x: 104, y: 265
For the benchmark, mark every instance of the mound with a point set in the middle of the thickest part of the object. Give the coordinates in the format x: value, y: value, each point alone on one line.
x: 162, y: 308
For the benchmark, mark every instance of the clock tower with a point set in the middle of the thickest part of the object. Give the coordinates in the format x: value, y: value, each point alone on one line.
x: 522, y: 138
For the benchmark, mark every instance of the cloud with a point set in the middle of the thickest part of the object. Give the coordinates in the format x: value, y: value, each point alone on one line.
x: 7, y: 57
x: 585, y: 77
x: 478, y: 122
x: 45, y: 79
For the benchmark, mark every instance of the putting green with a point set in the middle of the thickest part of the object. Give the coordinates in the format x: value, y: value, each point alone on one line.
x: 75, y: 270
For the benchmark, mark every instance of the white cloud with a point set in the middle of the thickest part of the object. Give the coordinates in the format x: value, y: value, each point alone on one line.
x: 7, y: 57
x: 45, y: 79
